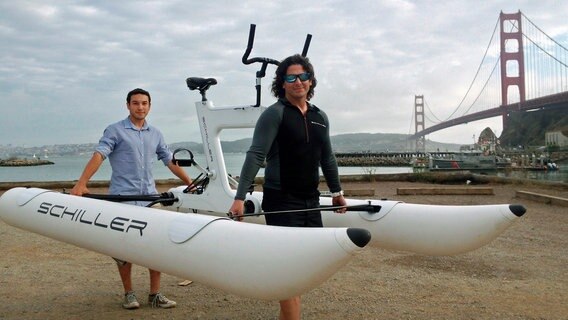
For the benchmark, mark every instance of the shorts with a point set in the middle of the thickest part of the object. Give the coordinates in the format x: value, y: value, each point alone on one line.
x: 276, y: 200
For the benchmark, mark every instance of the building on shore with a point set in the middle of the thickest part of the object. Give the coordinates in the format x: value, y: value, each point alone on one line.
x: 557, y: 138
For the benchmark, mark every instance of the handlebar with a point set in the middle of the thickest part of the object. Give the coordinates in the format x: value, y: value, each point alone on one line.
x: 246, y: 60
x: 203, y: 84
x: 306, y: 45
x: 266, y: 61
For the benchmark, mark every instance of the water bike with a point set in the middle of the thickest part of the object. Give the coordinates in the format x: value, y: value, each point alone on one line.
x: 194, y: 238
x: 419, y: 228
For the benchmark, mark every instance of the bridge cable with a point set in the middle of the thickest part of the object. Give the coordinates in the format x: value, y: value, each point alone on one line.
x: 483, y: 88
x: 539, y: 29
x: 433, y: 114
x: 544, y: 50
x: 477, y: 72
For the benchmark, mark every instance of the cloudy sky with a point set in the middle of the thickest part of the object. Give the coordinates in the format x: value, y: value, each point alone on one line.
x: 66, y: 66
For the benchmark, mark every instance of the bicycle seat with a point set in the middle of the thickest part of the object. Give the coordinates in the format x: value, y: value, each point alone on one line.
x: 200, y: 84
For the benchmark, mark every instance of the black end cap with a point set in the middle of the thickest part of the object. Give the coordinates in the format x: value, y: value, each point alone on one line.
x: 517, y: 209
x: 360, y: 237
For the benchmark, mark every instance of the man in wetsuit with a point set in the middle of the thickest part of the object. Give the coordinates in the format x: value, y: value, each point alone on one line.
x: 293, y: 136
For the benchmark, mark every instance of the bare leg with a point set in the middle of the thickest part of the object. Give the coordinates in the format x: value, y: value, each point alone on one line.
x: 154, y: 281
x: 290, y: 309
x: 156, y: 299
x: 125, y: 272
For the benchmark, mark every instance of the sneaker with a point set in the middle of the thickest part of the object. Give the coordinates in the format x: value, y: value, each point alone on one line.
x: 130, y: 301
x: 158, y: 300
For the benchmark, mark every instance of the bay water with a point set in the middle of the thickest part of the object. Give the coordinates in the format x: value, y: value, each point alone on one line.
x: 69, y: 168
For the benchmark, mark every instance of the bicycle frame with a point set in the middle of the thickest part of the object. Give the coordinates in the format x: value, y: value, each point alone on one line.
x: 218, y: 195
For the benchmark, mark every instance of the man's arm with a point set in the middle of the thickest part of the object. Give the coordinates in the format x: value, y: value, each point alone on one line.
x: 179, y: 172
x: 265, y: 132
x: 328, y: 162
x: 91, y: 168
x: 330, y: 171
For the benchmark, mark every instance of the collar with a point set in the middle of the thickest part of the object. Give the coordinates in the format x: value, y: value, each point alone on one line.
x: 129, y: 125
x: 287, y: 103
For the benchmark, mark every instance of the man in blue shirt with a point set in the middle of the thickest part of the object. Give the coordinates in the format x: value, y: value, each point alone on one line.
x: 131, y: 146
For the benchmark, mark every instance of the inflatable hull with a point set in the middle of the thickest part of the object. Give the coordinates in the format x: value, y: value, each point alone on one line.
x: 437, y: 230
x: 249, y: 260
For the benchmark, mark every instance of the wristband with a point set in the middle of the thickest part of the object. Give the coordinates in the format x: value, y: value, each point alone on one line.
x: 337, y: 194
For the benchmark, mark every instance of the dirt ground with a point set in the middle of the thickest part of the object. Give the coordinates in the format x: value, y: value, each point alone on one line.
x: 523, y: 274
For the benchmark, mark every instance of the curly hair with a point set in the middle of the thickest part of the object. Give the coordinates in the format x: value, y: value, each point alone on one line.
x: 277, y: 88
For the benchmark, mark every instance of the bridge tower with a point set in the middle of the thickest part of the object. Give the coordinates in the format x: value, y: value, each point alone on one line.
x: 419, y: 122
x: 513, y: 56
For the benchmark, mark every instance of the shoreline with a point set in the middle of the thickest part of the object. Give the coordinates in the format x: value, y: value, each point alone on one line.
x: 459, y: 177
x: 24, y: 163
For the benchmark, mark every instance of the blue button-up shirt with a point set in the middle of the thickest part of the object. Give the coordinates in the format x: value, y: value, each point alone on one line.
x: 132, y: 153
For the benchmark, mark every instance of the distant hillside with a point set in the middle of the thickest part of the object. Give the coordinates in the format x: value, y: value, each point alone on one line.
x: 351, y: 142
x: 525, y: 129
x: 529, y: 128
x: 382, y: 142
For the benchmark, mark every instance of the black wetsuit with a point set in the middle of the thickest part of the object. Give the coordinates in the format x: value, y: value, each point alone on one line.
x: 294, y: 146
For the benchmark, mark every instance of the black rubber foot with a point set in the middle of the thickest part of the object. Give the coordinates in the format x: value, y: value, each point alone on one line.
x: 517, y: 209
x: 360, y: 237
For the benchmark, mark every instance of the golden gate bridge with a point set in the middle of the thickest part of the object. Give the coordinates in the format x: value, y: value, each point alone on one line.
x: 523, y: 69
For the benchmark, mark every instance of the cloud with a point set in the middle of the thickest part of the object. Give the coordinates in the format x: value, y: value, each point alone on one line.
x: 67, y: 65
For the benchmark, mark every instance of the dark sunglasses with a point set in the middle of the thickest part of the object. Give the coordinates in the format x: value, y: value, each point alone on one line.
x: 291, y: 78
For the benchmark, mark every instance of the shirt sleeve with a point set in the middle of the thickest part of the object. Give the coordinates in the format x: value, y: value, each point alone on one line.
x: 162, y: 150
x: 107, y: 142
x: 263, y: 137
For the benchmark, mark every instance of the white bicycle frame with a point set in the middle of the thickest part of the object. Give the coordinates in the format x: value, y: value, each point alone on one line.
x: 218, y: 194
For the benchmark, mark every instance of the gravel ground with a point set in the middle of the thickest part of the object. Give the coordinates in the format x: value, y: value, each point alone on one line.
x: 523, y: 274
